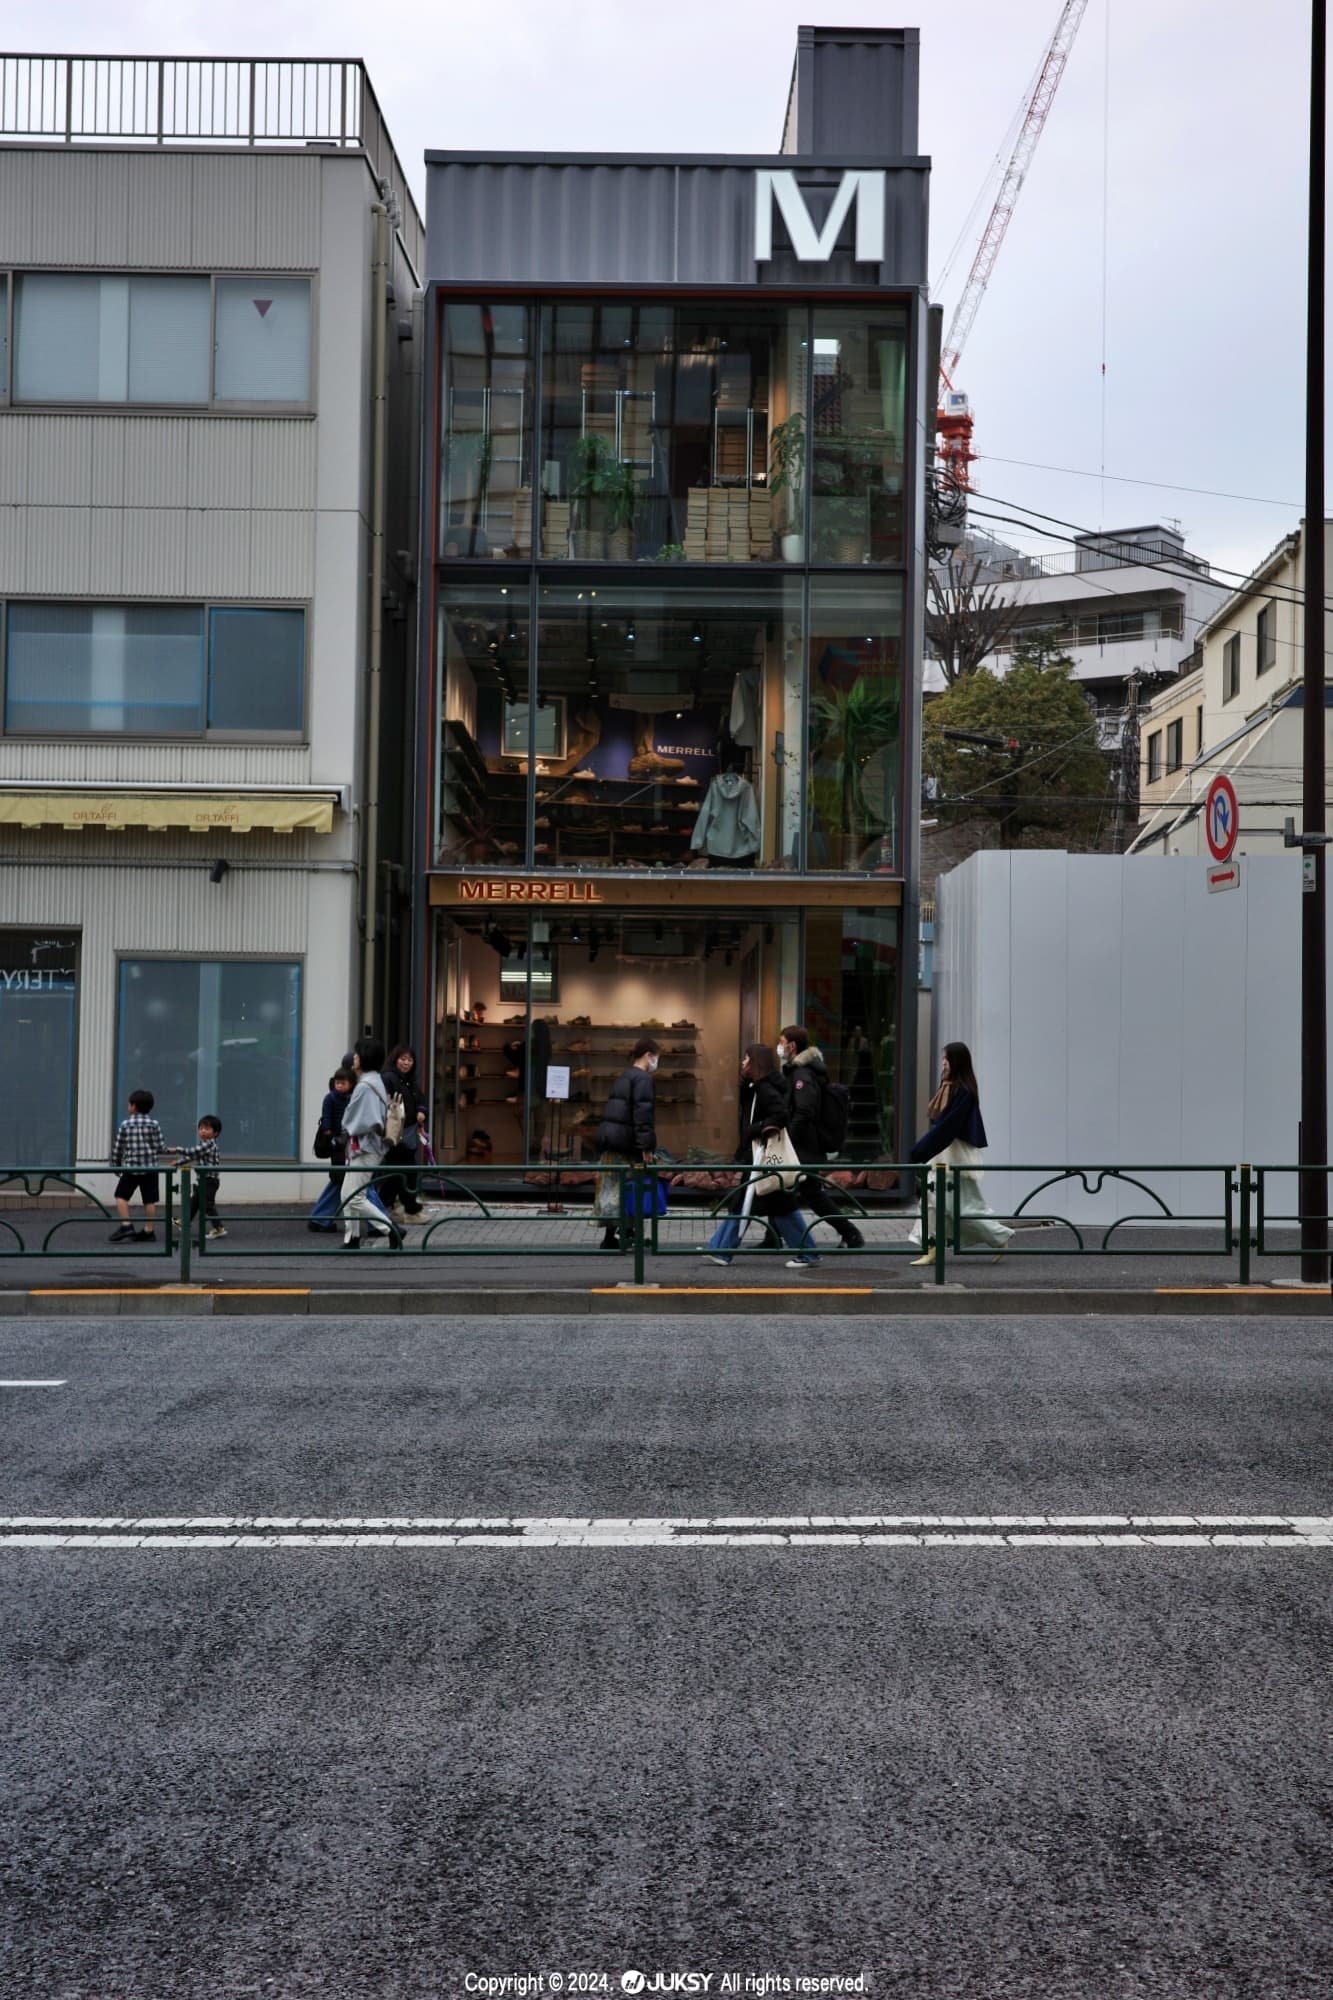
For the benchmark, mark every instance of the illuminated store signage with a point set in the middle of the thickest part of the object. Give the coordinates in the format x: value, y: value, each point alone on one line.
x: 528, y: 892
x: 775, y: 186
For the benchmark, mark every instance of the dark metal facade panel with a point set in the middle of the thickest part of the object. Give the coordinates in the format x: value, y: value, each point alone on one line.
x: 853, y: 90
x: 649, y: 223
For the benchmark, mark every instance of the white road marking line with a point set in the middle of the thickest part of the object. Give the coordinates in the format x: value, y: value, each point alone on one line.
x: 731, y: 1531
x: 34, y: 1385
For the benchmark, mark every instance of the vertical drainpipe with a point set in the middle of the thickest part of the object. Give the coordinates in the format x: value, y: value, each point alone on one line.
x: 370, y: 815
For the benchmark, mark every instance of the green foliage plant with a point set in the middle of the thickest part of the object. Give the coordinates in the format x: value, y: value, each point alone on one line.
x: 1053, y: 786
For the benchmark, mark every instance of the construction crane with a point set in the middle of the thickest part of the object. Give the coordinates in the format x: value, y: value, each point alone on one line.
x: 953, y: 421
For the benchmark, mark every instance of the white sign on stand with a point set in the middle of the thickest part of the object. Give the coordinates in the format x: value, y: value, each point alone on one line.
x: 557, y: 1083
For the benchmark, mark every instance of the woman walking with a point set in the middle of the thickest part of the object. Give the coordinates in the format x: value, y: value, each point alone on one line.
x: 627, y: 1134
x: 764, y: 1111
x: 956, y: 1137
x: 401, y: 1193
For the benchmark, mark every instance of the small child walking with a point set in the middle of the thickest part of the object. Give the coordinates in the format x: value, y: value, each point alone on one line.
x: 138, y: 1148
x: 204, y: 1156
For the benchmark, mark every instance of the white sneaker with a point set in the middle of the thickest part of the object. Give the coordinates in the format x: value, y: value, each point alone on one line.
x: 711, y: 1257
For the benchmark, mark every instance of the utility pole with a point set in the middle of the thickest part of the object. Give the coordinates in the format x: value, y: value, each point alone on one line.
x: 1127, y: 787
x: 1313, y: 1143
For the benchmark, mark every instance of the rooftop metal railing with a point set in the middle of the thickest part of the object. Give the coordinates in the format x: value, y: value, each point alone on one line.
x: 229, y: 101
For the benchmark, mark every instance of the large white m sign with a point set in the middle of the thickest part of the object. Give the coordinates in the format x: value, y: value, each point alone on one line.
x: 776, y: 186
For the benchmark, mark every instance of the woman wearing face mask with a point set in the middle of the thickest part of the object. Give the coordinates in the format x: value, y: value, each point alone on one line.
x: 399, y: 1192
x: 627, y: 1134
x: 764, y: 1110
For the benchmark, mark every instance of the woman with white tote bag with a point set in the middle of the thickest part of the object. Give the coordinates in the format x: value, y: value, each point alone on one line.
x: 772, y: 1197
x: 956, y: 1137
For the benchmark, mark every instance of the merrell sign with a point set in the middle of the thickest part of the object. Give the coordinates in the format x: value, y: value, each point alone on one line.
x: 528, y: 892
x: 777, y: 188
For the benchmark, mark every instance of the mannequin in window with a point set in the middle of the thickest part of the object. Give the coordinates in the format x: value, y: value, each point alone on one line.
x: 726, y: 833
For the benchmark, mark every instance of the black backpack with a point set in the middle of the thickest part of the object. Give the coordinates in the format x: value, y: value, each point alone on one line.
x: 835, y: 1108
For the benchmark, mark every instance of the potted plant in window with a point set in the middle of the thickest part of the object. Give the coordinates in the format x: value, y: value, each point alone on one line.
x: 786, y: 468
x: 851, y: 489
x: 603, y: 489
x: 850, y: 730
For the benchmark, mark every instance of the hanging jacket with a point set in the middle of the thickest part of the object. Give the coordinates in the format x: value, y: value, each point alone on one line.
x: 728, y: 825
x: 960, y: 1119
x: 629, y: 1122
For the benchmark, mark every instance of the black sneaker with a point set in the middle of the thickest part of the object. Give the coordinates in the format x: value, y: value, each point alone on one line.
x: 852, y: 1237
x: 144, y: 1235
x: 124, y: 1234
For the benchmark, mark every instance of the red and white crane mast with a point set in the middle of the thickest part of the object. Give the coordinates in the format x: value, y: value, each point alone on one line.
x: 954, y: 418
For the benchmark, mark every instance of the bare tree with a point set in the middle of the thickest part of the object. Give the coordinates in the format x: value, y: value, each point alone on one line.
x: 967, y: 619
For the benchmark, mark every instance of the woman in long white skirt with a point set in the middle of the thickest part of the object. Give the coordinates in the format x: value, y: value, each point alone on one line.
x: 956, y: 1137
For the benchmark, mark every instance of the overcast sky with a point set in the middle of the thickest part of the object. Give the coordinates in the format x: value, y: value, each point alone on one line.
x: 1205, y: 196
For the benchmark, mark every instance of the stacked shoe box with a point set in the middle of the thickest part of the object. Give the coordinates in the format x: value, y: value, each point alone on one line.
x: 521, y: 532
x: 555, y: 527
x: 696, y: 524
x: 761, y: 525
x: 738, y: 526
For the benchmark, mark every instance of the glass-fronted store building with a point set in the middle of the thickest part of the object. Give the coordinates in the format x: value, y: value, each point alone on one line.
x: 669, y: 729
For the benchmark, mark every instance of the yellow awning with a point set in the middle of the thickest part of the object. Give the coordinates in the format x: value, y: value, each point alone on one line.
x: 197, y: 812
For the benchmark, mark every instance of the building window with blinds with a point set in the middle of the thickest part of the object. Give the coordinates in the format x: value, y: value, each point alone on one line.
x: 147, y: 340
x: 154, y: 670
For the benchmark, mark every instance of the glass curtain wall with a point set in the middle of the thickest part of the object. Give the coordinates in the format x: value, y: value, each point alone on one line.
x: 482, y: 792
x: 670, y: 432
x: 687, y: 721
x: 665, y: 712
x: 519, y: 994
x: 854, y: 769
x: 851, y: 1011
x: 486, y: 404
x: 858, y: 424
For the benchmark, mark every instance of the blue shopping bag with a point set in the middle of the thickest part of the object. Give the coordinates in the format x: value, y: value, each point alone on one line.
x: 654, y: 1196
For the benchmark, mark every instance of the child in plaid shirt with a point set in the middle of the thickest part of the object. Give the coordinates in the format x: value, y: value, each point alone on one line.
x: 139, y: 1145
x: 206, y: 1185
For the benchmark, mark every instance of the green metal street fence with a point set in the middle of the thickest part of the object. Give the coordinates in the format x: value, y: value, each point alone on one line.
x: 1236, y: 1215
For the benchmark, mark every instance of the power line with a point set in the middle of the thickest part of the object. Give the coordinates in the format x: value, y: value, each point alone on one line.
x: 1279, y: 593
x: 1184, y: 571
x: 1124, y: 479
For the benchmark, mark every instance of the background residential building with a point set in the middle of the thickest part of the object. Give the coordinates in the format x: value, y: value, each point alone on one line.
x: 1126, y: 605
x: 1239, y: 712
x: 207, y: 273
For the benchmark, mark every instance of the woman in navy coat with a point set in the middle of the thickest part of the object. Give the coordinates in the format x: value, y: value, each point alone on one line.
x: 955, y: 1122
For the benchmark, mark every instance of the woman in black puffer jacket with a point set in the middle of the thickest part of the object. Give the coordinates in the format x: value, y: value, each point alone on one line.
x: 628, y: 1132
x: 765, y: 1109
x: 400, y: 1193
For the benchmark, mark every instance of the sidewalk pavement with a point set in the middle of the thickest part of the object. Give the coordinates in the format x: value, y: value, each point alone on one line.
x: 525, y: 1259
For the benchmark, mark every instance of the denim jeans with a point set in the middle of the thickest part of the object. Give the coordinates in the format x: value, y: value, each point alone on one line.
x: 792, y: 1230
x: 326, y: 1209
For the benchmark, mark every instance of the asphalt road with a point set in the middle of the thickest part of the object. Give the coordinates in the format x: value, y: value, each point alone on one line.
x: 993, y: 1772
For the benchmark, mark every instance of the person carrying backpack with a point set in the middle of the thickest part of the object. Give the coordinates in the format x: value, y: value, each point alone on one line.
x: 817, y: 1125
